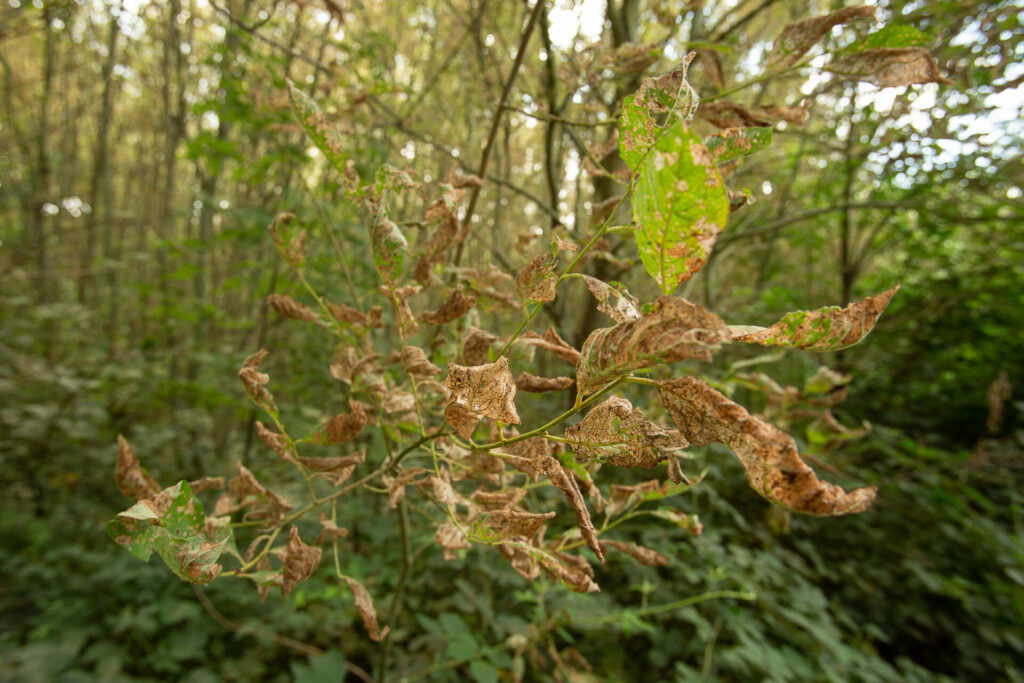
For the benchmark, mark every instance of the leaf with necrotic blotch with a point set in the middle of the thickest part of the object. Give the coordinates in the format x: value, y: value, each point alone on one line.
x: 825, y: 329
x: 613, y: 299
x: 732, y: 143
x: 889, y: 67
x: 774, y: 467
x: 173, y: 524
x: 343, y: 427
x: 668, y: 94
x: 799, y: 37
x: 133, y: 480
x: 679, y: 205
x: 487, y: 390
x: 616, y: 433
x: 300, y: 561
x: 456, y: 305
x: 535, y: 283
x: 673, y: 330
x: 323, y: 134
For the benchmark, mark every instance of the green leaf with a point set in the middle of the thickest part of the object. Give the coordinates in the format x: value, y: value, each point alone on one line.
x: 680, y: 205
x: 895, y: 35
x: 668, y: 94
x: 173, y: 524
x: 326, y: 668
x: 735, y: 142
x: 324, y: 135
x: 825, y: 329
x: 483, y: 672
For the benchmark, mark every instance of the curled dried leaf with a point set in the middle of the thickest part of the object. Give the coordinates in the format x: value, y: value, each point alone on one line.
x: 332, y: 532
x: 458, y: 179
x: 396, y: 485
x: 207, y: 484
x: 507, y: 523
x: 575, y: 577
x: 335, y: 470
x: 455, y: 306
x: 497, y: 500
x: 292, y: 250
x: 799, y: 37
x: 342, y: 427
x: 399, y: 299
x: 275, y: 441
x: 488, y: 390
x: 616, y: 433
x: 444, y: 493
x: 774, y: 467
x: 825, y: 329
x: 673, y: 330
x: 725, y: 114
x: 442, y: 216
x: 449, y: 537
x: 132, y: 479
x: 669, y: 94
x: 536, y: 281
x: 532, y: 383
x: 889, y: 67
x: 347, y: 314
x: 476, y: 347
x: 364, y: 604
x: 300, y: 561
x: 415, y: 362
x: 462, y: 419
x: 566, y: 483
x: 712, y: 64
x: 398, y: 401
x: 675, y: 472
x: 244, y: 490
x: 290, y: 308
x: 255, y: 381
x: 639, y: 553
x: 529, y: 455
x: 623, y: 497
x: 625, y: 306
x: 550, y: 341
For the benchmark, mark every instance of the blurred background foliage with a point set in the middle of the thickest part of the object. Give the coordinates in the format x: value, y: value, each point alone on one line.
x: 144, y: 148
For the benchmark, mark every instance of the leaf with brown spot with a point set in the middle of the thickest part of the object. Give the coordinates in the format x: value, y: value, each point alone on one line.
x: 774, y: 467
x: 300, y: 561
x: 342, y: 427
x: 132, y: 479
x: 733, y: 143
x: 335, y: 470
x: 824, y: 329
x: 449, y: 537
x: 673, y: 330
x: 625, y: 306
x: 799, y: 37
x: 364, y: 603
x: 255, y: 382
x: 536, y: 282
x: 668, y: 94
x: 616, y: 433
x: 550, y: 341
x: 275, y: 441
x: 488, y: 390
x: 243, y: 490
x: 538, y: 385
x: 639, y: 553
x: 476, y: 346
x: 290, y: 308
x: 564, y: 482
x: 332, y: 532
x: 415, y: 362
x: 455, y: 306
x: 889, y: 67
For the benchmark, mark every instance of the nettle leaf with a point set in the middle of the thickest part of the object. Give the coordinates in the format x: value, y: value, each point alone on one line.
x: 487, y: 390
x: 616, y: 433
x: 825, y: 329
x: 799, y: 37
x: 324, y: 135
x: 673, y: 330
x: 895, y: 35
x: 736, y: 142
x: 774, y: 467
x: 668, y: 94
x: 679, y: 205
x: 172, y: 523
x: 889, y: 67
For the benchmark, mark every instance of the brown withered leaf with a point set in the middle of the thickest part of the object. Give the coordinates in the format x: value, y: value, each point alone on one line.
x: 444, y: 493
x: 726, y: 114
x: 275, y: 441
x: 675, y: 472
x: 455, y: 306
x: 575, y: 577
x: 625, y: 306
x: 824, y: 329
x: 415, y: 362
x: 674, y: 330
x: 623, y: 497
x: 534, y: 384
x: 794, y: 115
x: 442, y: 215
x: 458, y: 179
x: 300, y: 561
x: 550, y: 341
x: 889, y: 67
x: 347, y: 314
x: 515, y: 524
x: 396, y: 485
x: 524, y: 240
x: 566, y: 483
x: 639, y: 553
x: 488, y: 390
x: 335, y: 470
x: 712, y: 64
x: 364, y: 604
x: 462, y: 419
x: 616, y: 433
x: 529, y: 455
x: 521, y: 561
x: 774, y: 467
x: 603, y: 209
x: 207, y: 484
x: 536, y: 281
x: 293, y: 251
x: 132, y: 479
x: 342, y: 427
x: 290, y: 308
x: 476, y: 346
x: 399, y: 299
x: 273, y: 578
x: 497, y: 500
x: 244, y: 490
x: 398, y: 401
x: 451, y: 539
x: 799, y: 37
x: 255, y: 381
x: 332, y: 532
x: 560, y: 243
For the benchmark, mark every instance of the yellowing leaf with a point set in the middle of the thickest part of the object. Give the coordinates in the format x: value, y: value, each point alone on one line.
x: 487, y: 390
x: 824, y: 329
x: 774, y: 467
x: 132, y: 479
x: 673, y: 330
x: 300, y: 561
x: 889, y: 67
x: 799, y: 37
x: 679, y: 205
x: 616, y: 433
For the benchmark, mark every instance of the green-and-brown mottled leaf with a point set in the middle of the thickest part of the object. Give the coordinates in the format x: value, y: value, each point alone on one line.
x: 670, y: 93
x: 825, y: 329
x: 799, y: 37
x: 774, y: 467
x: 673, y: 330
x: 731, y: 143
x: 172, y: 523
x: 324, y: 135
x: 679, y: 205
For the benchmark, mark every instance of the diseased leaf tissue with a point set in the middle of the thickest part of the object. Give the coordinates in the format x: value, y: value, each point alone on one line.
x: 477, y: 463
